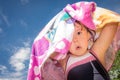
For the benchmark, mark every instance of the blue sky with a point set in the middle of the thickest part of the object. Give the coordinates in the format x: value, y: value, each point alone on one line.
x: 20, y: 22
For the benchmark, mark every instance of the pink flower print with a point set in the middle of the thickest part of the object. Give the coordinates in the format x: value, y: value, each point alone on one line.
x: 62, y: 46
x: 40, y: 46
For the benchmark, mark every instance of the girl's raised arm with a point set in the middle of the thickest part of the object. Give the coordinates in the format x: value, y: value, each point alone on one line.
x: 108, y: 21
x: 103, y: 42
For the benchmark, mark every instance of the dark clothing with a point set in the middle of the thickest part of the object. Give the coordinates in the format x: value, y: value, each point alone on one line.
x: 92, y: 70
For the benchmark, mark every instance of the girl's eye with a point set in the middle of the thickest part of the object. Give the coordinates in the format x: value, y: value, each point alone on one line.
x: 78, y: 33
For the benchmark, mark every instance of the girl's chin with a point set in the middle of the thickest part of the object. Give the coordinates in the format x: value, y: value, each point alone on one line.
x: 78, y: 54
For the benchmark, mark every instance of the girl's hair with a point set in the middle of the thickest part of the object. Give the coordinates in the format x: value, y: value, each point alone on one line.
x: 92, y: 32
x: 92, y: 38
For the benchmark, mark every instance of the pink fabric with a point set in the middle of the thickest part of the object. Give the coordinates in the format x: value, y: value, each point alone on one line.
x: 57, y: 36
x: 52, y: 71
x: 82, y: 11
x: 51, y: 39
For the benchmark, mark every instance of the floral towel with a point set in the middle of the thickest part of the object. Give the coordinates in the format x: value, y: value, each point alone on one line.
x: 57, y: 36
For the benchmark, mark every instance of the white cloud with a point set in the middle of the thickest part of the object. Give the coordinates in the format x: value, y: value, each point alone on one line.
x: 5, y: 74
x: 11, y: 79
x: 19, y: 57
x: 17, y: 64
x: 3, y: 69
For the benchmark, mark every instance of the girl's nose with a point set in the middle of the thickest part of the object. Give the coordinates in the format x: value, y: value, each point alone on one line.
x: 75, y: 39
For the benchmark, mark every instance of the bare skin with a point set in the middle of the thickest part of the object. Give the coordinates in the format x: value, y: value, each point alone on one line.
x: 80, y: 42
x: 102, y: 43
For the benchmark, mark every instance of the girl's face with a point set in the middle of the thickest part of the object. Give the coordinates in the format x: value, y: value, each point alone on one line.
x: 80, y: 39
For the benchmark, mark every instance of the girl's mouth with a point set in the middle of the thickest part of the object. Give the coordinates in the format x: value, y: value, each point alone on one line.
x: 78, y: 47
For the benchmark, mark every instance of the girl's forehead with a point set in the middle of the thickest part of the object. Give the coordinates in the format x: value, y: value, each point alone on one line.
x: 79, y: 26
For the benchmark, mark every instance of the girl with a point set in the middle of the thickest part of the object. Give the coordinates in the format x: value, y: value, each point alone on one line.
x: 68, y: 49
x: 88, y: 64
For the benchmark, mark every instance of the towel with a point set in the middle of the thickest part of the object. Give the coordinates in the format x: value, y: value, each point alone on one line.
x: 57, y: 35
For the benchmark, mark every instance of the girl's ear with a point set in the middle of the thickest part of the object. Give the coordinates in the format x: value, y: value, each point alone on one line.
x: 90, y: 40
x: 89, y: 36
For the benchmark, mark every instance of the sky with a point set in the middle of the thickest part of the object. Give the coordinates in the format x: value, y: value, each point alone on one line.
x: 20, y: 23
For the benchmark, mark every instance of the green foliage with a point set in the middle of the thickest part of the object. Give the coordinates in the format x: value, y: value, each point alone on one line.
x: 115, y: 71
